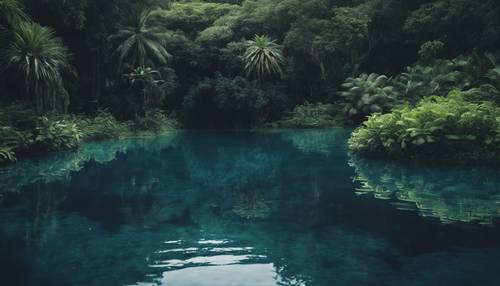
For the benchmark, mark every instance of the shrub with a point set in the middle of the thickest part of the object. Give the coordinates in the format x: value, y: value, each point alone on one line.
x: 13, y: 138
x: 12, y: 141
x: 155, y: 120
x: 103, y: 126
x: 430, y: 50
x: 229, y: 102
x: 483, y: 93
x: 439, y: 77
x: 367, y: 94
x: 311, y: 115
x: 424, y: 80
x: 240, y: 95
x: 438, y: 129
x: 22, y: 131
x: 54, y: 134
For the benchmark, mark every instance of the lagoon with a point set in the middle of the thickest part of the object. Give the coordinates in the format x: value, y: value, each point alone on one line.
x: 273, y: 207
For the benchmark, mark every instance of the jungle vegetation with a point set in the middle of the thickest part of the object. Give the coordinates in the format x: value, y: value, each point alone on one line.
x: 419, y: 77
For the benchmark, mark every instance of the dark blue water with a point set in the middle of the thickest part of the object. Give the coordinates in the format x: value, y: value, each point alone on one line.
x: 245, y: 208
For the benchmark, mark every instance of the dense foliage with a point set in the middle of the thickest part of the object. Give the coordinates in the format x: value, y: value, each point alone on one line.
x: 244, y: 63
x: 39, y: 58
x: 23, y: 132
x: 367, y: 94
x: 442, y: 128
x: 312, y: 115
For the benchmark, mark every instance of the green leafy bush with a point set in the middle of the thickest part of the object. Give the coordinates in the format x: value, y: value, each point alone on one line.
x: 483, y: 93
x: 430, y: 50
x: 103, y: 126
x: 11, y: 141
x: 14, y: 138
x: 367, y: 94
x: 312, y: 115
x: 439, y: 78
x: 437, y: 129
x: 23, y: 132
x: 54, y: 134
x: 229, y: 102
x: 155, y: 120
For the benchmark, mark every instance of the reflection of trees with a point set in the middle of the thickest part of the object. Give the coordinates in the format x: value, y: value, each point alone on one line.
x: 33, y: 212
x: 251, y: 204
x: 234, y: 171
x: 45, y: 182
x: 43, y: 203
x: 59, y: 166
x: 298, y: 254
x: 456, y: 194
x: 236, y: 174
x: 322, y: 141
x: 190, y: 192
x: 231, y: 167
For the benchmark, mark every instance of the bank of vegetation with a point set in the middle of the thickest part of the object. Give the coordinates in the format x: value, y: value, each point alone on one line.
x: 418, y: 77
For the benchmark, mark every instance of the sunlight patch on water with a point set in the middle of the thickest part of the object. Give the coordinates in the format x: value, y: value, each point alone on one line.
x: 207, y: 260
x: 203, y: 241
x: 173, y: 242
x: 243, y: 275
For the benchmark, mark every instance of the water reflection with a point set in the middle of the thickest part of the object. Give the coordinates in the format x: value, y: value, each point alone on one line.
x: 451, y: 194
x: 318, y: 141
x: 252, y: 205
x: 231, y: 208
x: 59, y: 166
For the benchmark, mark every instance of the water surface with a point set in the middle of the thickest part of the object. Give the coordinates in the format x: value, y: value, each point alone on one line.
x: 282, y: 207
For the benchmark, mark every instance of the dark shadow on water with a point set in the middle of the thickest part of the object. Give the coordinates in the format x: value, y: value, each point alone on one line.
x: 279, y: 207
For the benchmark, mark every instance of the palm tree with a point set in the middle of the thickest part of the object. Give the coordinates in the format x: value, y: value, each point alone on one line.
x: 149, y: 82
x: 141, y: 44
x: 11, y: 13
x: 263, y: 57
x: 40, y: 57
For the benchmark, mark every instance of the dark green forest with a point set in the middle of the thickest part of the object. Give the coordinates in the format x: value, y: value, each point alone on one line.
x: 417, y: 77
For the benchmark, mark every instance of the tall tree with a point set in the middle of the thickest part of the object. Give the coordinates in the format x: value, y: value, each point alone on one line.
x: 149, y: 82
x: 142, y: 44
x: 40, y: 57
x: 263, y: 57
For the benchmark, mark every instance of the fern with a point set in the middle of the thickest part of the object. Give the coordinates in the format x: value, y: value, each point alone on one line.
x: 367, y: 94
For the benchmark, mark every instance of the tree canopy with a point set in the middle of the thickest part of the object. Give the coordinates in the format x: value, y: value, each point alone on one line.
x: 305, y: 50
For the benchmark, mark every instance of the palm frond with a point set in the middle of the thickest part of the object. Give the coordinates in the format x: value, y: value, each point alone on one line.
x: 40, y: 57
x: 11, y: 13
x: 140, y: 44
x: 263, y: 57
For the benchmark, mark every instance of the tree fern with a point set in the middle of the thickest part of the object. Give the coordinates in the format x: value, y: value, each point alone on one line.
x: 263, y: 57
x: 141, y: 44
x: 40, y: 57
